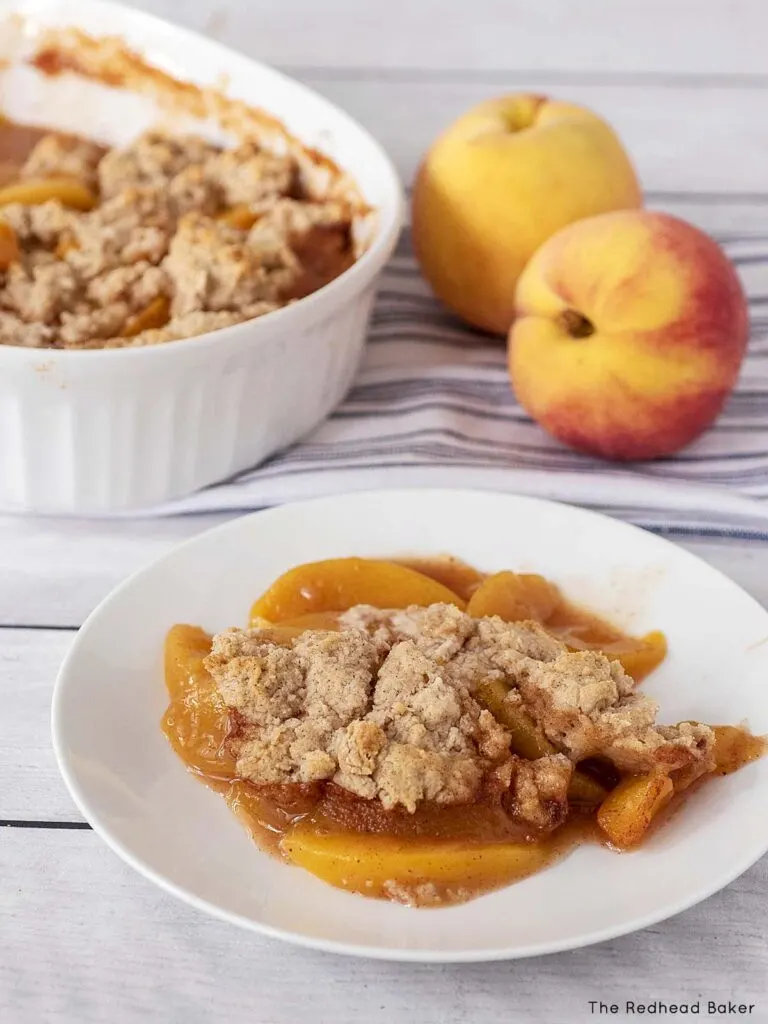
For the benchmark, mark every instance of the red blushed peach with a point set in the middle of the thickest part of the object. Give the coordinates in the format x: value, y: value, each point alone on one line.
x: 629, y: 334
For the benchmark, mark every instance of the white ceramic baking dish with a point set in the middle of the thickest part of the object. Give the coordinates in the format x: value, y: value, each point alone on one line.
x: 93, y: 431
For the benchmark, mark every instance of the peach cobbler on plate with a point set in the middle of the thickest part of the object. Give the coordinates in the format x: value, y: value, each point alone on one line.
x: 424, y: 732
x: 518, y: 747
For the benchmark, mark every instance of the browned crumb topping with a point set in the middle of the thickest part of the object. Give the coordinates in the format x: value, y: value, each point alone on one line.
x: 216, y: 236
x: 380, y: 723
x: 584, y: 703
x: 212, y: 267
x: 540, y: 790
x: 385, y: 709
x: 64, y: 156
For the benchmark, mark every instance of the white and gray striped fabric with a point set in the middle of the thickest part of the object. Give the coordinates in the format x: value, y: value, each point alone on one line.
x: 432, y: 406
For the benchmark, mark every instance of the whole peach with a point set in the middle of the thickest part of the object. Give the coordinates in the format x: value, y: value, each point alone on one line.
x: 499, y: 182
x: 629, y: 334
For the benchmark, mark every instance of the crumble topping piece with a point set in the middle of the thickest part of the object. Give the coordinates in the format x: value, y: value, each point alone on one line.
x: 191, y: 190
x: 508, y: 642
x: 438, y: 631
x: 136, y: 285
x: 39, y: 226
x: 336, y: 706
x: 89, y: 323
x: 40, y: 291
x: 435, y: 739
x: 64, y: 156
x: 291, y: 701
x: 248, y: 174
x: 14, y: 331
x: 160, y: 213
x: 288, y: 219
x: 315, y: 235
x: 539, y: 790
x: 153, y: 160
x: 585, y: 705
x: 469, y: 649
x: 136, y: 224
x: 669, y: 747
x: 212, y: 268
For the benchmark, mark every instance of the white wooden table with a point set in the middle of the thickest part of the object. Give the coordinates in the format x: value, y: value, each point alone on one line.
x: 85, y: 940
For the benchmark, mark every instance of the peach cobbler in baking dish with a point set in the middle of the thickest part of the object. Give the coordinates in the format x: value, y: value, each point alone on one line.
x: 171, y: 235
x: 422, y: 732
x: 168, y: 237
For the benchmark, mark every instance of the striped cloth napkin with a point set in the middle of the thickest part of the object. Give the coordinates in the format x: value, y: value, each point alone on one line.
x: 433, y: 407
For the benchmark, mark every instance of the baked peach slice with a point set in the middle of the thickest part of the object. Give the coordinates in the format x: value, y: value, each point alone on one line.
x: 9, y: 246
x: 515, y: 597
x: 196, y: 721
x: 452, y: 572
x: 387, y: 866
x: 336, y: 584
x: 240, y: 216
x: 312, y: 620
x: 69, y: 192
x: 735, y: 747
x: 155, y: 314
x: 627, y: 812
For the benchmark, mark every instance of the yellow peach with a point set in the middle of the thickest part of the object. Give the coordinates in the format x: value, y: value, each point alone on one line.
x: 629, y: 334
x: 500, y: 181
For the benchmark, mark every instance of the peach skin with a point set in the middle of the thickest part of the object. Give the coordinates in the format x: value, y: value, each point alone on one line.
x: 631, y: 328
x: 500, y: 181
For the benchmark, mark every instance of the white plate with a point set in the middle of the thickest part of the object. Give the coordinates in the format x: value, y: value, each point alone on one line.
x: 135, y: 792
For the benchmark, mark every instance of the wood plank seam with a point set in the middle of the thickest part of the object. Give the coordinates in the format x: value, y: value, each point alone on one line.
x: 37, y: 627
x: 19, y: 823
